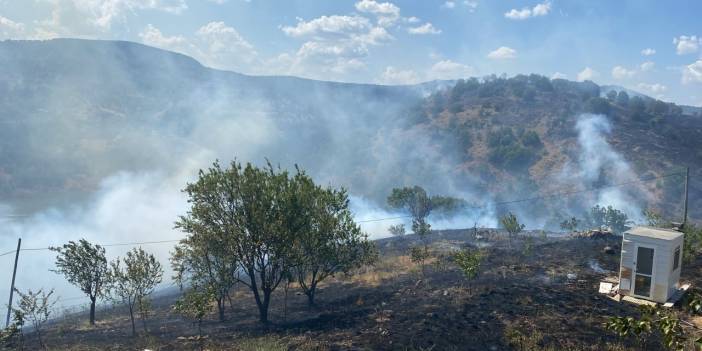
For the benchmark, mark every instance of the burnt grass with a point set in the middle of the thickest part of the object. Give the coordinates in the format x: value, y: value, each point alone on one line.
x: 543, y: 298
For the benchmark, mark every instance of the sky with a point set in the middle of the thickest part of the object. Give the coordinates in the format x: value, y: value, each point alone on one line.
x: 653, y: 47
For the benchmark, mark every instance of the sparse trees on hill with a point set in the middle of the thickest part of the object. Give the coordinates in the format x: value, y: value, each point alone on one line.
x: 469, y: 261
x: 85, y: 266
x: 135, y: 281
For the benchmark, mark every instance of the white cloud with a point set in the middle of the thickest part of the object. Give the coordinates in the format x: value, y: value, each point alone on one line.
x: 586, y: 74
x: 687, y: 44
x: 219, y: 2
x: 10, y: 29
x: 334, y: 44
x: 471, y: 4
x: 223, y: 46
x: 502, y: 53
x: 541, y: 9
x: 619, y: 72
x: 426, y: 28
x: 648, y: 52
x: 328, y: 25
x: 394, y: 76
x: 386, y: 12
x: 692, y: 72
x: 449, y: 5
x: 447, y: 69
x: 559, y: 75
x: 412, y: 19
x: 647, y: 66
x: 653, y: 88
x: 215, y: 44
x: 153, y: 36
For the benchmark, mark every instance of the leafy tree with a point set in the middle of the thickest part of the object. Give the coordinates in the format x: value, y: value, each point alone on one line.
x: 419, y: 205
x: 241, y: 219
x: 419, y: 254
x: 511, y: 224
x: 655, y: 219
x: 397, y: 229
x: 132, y: 283
x: 609, y: 217
x: 195, y: 304
x: 35, y: 307
x: 469, y: 261
x: 331, y: 242
x: 85, y: 266
x: 692, y: 242
x: 654, y: 318
x: 571, y: 224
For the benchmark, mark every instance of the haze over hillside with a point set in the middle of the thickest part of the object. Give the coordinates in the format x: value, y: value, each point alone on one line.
x: 98, y: 138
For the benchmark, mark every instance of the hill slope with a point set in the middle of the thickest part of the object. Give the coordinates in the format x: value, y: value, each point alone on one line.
x: 77, y: 111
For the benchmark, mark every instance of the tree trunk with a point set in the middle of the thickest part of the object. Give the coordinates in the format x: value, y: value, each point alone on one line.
x: 310, y: 294
x: 220, y: 308
x: 263, y: 306
x: 131, y: 316
x: 92, y: 310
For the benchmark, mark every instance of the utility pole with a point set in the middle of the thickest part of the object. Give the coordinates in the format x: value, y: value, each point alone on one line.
x: 12, y: 286
x: 687, y: 186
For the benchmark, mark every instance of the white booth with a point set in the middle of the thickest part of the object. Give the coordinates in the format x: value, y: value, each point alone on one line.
x: 650, y: 263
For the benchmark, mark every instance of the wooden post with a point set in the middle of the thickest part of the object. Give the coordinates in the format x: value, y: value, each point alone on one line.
x: 12, y: 286
x: 687, y: 185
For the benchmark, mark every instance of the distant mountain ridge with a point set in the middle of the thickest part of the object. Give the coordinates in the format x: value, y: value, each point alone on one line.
x: 76, y: 111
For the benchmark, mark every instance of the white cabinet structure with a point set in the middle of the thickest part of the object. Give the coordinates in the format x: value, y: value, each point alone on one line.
x: 650, y: 263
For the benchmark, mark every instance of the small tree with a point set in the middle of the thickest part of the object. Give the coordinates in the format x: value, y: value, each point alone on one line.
x: 693, y: 242
x: 331, y: 242
x: 571, y: 224
x: 510, y: 223
x: 195, y: 304
x: 468, y: 261
x: 35, y: 307
x: 654, y: 318
x: 132, y: 283
x: 397, y: 229
x: 85, y: 266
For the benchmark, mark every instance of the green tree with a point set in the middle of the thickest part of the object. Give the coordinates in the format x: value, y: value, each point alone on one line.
x: 511, y: 224
x: 195, y: 304
x: 35, y: 307
x: 85, y: 266
x: 571, y: 224
x: 607, y: 217
x: 397, y: 229
x: 132, y: 283
x: 241, y: 219
x: 331, y: 242
x: 692, y: 242
x: 469, y: 261
x: 419, y: 205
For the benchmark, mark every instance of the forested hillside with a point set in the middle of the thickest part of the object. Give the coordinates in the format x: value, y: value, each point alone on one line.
x: 77, y: 111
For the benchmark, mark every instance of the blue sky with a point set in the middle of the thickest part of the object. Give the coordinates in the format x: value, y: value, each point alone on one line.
x: 653, y: 47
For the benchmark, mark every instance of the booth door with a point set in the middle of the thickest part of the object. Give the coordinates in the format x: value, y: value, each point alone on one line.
x: 644, y: 272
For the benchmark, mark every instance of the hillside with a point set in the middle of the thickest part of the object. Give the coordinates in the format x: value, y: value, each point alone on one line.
x: 78, y: 111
